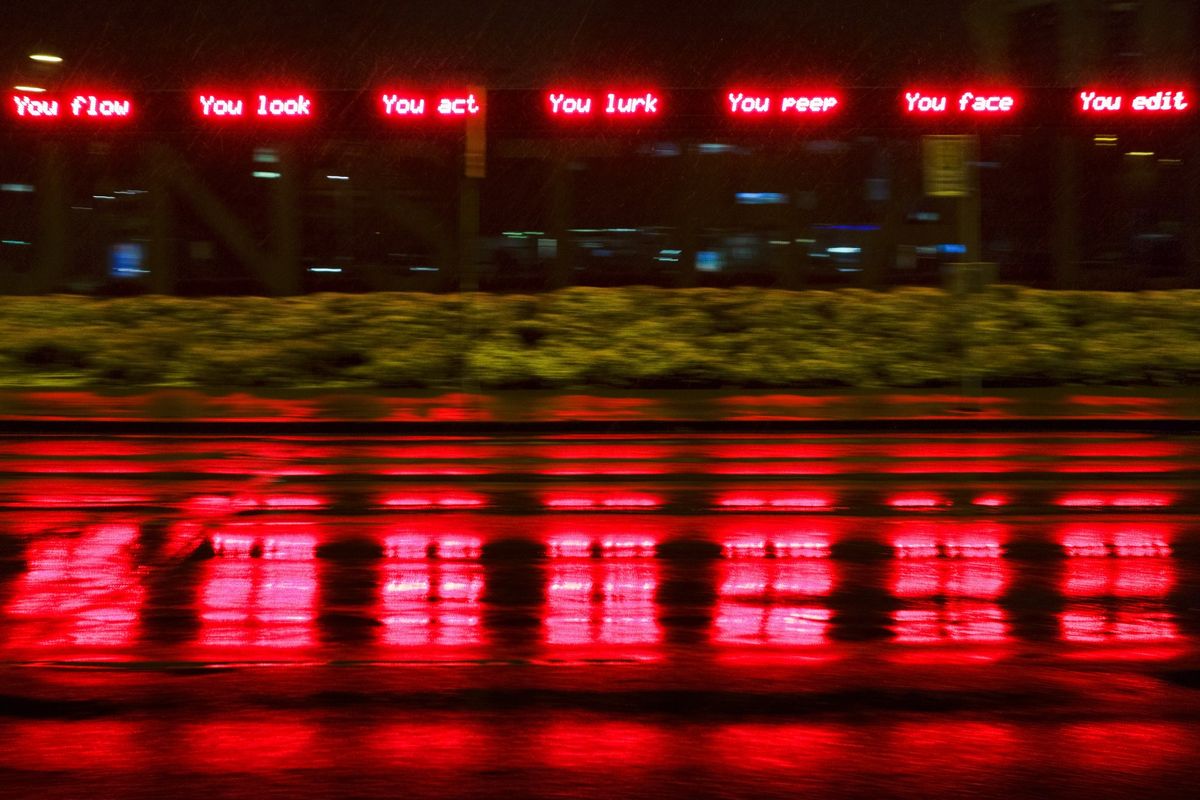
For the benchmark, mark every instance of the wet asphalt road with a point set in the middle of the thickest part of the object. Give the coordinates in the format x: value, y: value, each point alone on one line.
x: 658, y: 615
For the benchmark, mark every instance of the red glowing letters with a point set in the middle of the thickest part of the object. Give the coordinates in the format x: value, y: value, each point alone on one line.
x: 264, y: 105
x: 30, y: 104
x: 964, y: 103
x: 269, y: 105
x: 458, y: 105
x: 632, y: 105
x: 108, y: 107
x: 406, y: 105
x: 398, y: 105
x: 216, y: 106
x: 569, y: 105
x: 1162, y: 101
x: 610, y: 104
x: 754, y: 104
x: 81, y: 106
x: 26, y: 106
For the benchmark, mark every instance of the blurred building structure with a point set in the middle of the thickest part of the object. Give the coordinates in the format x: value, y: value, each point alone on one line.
x: 177, y: 209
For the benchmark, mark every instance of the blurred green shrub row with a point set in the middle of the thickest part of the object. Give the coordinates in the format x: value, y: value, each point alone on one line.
x: 640, y: 337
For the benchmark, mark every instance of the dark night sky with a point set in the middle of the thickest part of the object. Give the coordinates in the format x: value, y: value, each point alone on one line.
x: 354, y: 44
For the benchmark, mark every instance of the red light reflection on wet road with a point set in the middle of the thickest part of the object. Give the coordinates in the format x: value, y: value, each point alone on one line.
x: 779, y: 536
x: 428, y: 603
x: 773, y: 602
x: 261, y: 588
x: 600, y: 500
x: 950, y: 600
x: 951, y: 539
x: 1126, y: 540
x: 435, y: 499
x: 585, y: 536
x: 606, y: 602
x: 1119, y: 601
x: 81, y: 589
x: 748, y: 500
x: 1116, y: 499
x: 430, y: 588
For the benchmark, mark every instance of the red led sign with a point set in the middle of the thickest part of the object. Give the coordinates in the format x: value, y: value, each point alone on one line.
x: 103, y: 106
x: 609, y: 104
x: 640, y: 105
x: 933, y: 105
x: 215, y: 105
x: 24, y: 105
x: 965, y: 103
x: 458, y: 105
x: 759, y: 104
x: 568, y: 105
x: 410, y: 105
x: 283, y: 105
x: 1163, y: 101
x: 80, y: 106
x: 263, y: 105
x: 401, y: 105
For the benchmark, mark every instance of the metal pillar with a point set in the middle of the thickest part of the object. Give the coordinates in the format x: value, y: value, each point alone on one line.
x: 1065, y: 225
x: 468, y: 235
x: 161, y: 257
x: 560, y: 221
x: 53, y: 229
x: 284, y: 266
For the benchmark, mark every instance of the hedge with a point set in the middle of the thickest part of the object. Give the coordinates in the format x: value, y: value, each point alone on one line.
x: 638, y: 336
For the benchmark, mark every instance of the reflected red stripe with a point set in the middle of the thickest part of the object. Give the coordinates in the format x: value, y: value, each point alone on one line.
x: 918, y: 501
x: 1114, y: 499
x: 433, y: 500
x: 599, y: 500
x: 776, y: 500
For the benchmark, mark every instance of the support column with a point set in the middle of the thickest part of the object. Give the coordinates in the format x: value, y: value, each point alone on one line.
x: 1191, y: 212
x: 51, y: 263
x: 691, y: 187
x: 796, y: 258
x: 1065, y: 226
x: 970, y: 208
x: 562, y: 270
x: 285, y: 263
x: 881, y: 252
x: 468, y: 235
x: 161, y: 257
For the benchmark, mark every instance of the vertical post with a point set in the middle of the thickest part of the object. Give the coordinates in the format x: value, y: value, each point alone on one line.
x: 161, y: 256
x: 970, y: 220
x: 1066, y: 215
x: 51, y: 262
x: 468, y: 235
x: 691, y: 198
x: 474, y: 170
x: 560, y: 220
x: 881, y: 253
x: 285, y: 262
x: 796, y: 257
x: 1191, y: 212
x: 343, y: 203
